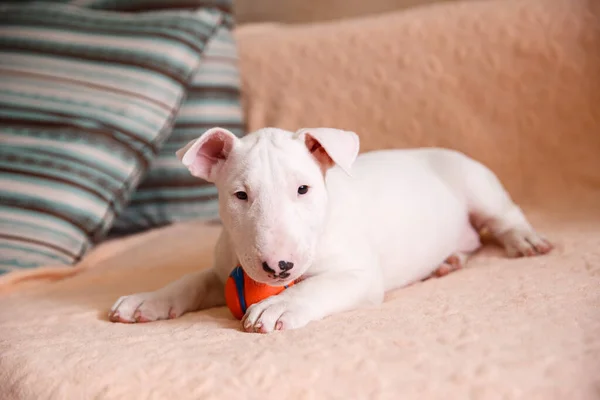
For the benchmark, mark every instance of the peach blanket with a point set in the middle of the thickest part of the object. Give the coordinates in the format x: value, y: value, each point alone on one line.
x: 515, y: 84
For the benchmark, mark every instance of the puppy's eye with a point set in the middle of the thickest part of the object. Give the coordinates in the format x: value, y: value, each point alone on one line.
x: 303, y: 189
x: 241, y: 195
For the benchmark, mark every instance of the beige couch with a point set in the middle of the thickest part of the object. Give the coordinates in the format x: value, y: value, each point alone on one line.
x: 306, y: 11
x: 515, y: 84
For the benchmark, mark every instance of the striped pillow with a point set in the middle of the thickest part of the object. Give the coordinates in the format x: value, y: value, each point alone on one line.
x: 87, y: 98
x: 168, y: 192
x: 145, y: 5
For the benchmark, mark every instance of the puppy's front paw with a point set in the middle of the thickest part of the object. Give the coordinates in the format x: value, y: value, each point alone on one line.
x: 275, y: 313
x: 142, y: 307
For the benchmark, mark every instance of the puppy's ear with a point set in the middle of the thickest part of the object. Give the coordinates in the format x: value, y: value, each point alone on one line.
x: 204, y: 156
x: 331, y: 146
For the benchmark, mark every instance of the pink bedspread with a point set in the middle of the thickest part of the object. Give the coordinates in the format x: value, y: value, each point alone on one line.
x: 515, y: 84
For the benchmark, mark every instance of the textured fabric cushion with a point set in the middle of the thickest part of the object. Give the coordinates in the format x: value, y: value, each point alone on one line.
x: 168, y: 193
x: 86, y: 99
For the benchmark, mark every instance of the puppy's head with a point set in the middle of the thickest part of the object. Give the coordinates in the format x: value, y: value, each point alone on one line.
x: 272, y: 195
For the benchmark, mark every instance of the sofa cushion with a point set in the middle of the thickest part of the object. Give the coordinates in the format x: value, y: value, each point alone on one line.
x: 168, y: 193
x: 87, y: 98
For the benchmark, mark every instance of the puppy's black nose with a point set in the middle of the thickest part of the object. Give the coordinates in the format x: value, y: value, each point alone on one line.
x: 285, y: 265
x: 267, y: 269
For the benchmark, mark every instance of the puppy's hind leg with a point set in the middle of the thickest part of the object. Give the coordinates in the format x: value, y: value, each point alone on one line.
x: 469, y: 244
x: 491, y: 207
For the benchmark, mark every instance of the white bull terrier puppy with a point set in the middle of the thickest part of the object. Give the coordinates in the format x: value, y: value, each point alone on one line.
x: 304, y: 205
